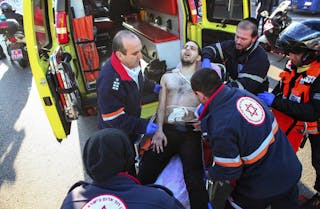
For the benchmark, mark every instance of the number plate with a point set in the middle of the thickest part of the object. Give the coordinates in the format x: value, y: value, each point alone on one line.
x: 16, y: 54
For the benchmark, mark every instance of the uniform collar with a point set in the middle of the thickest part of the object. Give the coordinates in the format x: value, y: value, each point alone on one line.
x: 303, y: 68
x: 116, y: 64
x: 206, y: 105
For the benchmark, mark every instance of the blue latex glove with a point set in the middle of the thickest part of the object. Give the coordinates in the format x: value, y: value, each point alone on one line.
x: 151, y: 128
x: 157, y: 88
x: 266, y: 97
x: 206, y: 63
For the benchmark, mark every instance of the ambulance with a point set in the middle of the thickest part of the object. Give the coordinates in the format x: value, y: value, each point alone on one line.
x: 68, y: 42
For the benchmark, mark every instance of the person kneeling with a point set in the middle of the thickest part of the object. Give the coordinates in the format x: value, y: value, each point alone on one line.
x: 107, y: 158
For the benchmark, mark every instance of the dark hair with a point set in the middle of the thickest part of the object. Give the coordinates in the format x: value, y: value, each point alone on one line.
x: 106, y: 153
x: 205, y: 81
x: 249, y: 24
x: 117, y: 42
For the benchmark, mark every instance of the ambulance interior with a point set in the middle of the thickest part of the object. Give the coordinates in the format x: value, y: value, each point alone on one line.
x: 156, y: 25
x: 162, y: 27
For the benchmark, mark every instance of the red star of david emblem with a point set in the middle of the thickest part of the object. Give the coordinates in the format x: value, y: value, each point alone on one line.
x: 251, y: 110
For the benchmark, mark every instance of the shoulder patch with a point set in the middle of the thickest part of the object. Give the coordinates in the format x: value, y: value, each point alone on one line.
x: 105, y: 201
x: 251, y: 110
x: 116, y: 84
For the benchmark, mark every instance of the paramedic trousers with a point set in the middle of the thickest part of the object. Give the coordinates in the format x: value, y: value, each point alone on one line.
x: 184, y: 141
x: 315, y: 157
x: 287, y: 200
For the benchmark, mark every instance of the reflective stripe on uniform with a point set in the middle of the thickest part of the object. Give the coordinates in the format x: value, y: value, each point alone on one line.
x: 263, y: 148
x: 228, y: 162
x: 112, y: 115
x: 252, y: 77
x: 218, y: 45
x: 240, y: 86
x: 254, y: 156
x: 316, y: 96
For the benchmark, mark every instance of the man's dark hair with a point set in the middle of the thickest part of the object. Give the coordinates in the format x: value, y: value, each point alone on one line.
x: 117, y: 42
x: 106, y: 153
x: 249, y: 24
x: 205, y: 81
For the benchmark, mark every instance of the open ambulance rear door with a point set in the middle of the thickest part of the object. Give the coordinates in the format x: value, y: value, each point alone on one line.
x: 40, y: 36
x: 54, y: 63
x: 68, y: 42
x: 217, y: 20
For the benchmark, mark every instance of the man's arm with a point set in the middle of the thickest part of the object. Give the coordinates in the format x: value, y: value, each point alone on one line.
x: 301, y: 111
x: 111, y: 104
x: 225, y: 148
x: 218, y: 52
x: 253, y: 75
x: 159, y: 139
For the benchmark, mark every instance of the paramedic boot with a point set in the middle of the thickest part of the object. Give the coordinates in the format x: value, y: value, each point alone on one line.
x: 313, y: 203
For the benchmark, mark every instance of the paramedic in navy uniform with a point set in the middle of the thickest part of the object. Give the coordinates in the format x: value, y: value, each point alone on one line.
x: 119, y: 88
x: 247, y: 146
x: 246, y: 62
x: 107, y: 156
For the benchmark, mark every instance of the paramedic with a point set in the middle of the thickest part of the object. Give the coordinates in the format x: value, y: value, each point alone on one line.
x: 176, y: 135
x: 246, y: 62
x: 119, y: 88
x: 247, y: 146
x: 298, y: 94
x: 107, y: 156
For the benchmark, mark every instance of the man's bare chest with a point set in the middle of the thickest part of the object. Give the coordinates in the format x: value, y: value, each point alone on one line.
x: 177, y: 83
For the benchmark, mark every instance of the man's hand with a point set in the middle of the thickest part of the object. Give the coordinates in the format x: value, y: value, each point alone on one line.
x: 151, y: 128
x: 197, y: 126
x: 206, y: 63
x: 266, y: 97
x: 157, y: 88
x: 159, y: 141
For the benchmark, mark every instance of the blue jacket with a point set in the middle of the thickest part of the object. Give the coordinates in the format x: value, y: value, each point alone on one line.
x: 248, y: 145
x: 121, y: 190
x: 247, y: 70
x: 119, y: 99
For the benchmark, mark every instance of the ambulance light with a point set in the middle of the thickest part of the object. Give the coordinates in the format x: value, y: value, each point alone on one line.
x: 61, y: 27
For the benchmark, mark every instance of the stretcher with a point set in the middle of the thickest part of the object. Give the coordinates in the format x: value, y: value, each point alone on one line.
x: 287, y: 125
x: 86, y: 49
x: 61, y: 78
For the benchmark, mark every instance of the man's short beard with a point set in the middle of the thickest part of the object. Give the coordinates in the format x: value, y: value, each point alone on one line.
x: 186, y: 63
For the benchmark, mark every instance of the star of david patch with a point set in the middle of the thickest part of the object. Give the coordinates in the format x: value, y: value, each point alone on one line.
x: 251, y: 110
x: 105, y: 201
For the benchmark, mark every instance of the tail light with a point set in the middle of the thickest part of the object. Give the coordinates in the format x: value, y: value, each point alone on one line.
x: 61, y: 27
x: 3, y: 25
x: 12, y: 39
